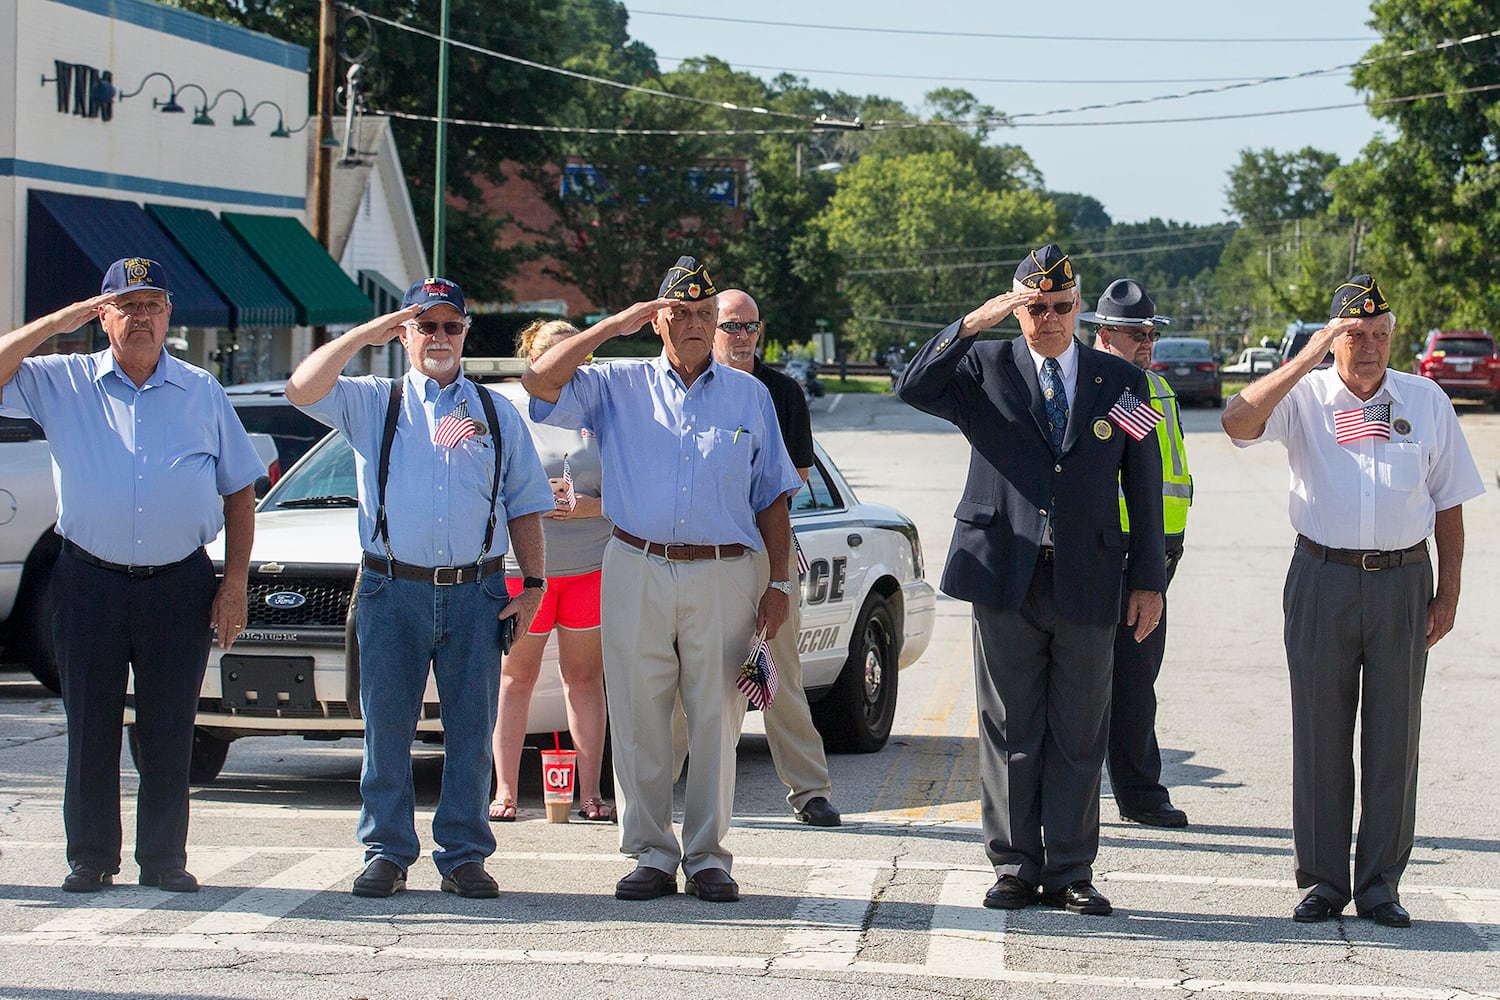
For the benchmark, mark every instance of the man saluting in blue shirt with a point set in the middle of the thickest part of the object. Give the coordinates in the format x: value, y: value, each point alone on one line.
x: 150, y: 462
x: 694, y: 475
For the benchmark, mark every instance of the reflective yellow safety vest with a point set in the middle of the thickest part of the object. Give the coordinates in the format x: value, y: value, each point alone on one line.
x: 1176, y: 483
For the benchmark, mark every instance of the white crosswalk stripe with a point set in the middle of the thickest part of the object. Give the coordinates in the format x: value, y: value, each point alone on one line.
x: 965, y: 935
x: 257, y: 909
x: 829, y: 922
x: 104, y: 911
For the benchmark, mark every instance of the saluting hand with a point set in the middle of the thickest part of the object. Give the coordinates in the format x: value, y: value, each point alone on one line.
x: 384, y: 329
x: 1143, y: 610
x: 996, y: 309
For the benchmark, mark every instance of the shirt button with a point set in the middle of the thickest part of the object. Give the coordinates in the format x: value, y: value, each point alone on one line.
x: 140, y: 477
x: 684, y: 458
x: 1042, y: 512
x: 139, y: 510
x: 1057, y: 468
x: 139, y: 541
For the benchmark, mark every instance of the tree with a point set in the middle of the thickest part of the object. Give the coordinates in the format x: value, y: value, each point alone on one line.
x: 1268, y: 187
x: 1428, y: 194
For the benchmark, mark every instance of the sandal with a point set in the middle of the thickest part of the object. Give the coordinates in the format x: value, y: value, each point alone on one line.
x: 503, y: 811
x: 596, y: 811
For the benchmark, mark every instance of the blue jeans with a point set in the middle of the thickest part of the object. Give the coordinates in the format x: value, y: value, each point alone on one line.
x: 405, y: 627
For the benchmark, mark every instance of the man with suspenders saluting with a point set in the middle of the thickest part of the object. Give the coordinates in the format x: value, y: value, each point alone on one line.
x: 448, y: 483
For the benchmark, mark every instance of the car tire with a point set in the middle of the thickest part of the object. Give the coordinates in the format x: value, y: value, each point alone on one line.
x: 856, y: 714
x: 209, y: 754
x: 32, y: 642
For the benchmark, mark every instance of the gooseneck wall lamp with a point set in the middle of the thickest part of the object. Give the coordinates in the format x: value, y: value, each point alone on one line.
x: 245, y: 117
x: 241, y: 119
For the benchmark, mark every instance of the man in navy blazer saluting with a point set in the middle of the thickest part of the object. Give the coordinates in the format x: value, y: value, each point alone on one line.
x: 1057, y: 431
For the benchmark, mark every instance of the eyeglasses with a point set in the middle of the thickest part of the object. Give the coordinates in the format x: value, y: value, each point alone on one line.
x: 1136, y: 334
x: 1039, y: 309
x: 429, y: 328
x: 735, y: 329
x: 135, y: 307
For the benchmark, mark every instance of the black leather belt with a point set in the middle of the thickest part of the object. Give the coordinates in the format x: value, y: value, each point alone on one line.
x: 1369, y: 561
x: 438, y: 576
x: 134, y: 572
x: 681, y: 551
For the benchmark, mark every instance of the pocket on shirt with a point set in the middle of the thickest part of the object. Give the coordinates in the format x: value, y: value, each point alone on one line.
x: 729, y: 452
x: 476, y: 465
x: 1401, y: 467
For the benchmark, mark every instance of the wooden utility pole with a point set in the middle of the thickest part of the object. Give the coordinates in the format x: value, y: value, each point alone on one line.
x: 323, y: 152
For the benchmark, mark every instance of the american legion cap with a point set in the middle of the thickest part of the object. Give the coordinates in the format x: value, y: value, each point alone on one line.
x: 134, y: 274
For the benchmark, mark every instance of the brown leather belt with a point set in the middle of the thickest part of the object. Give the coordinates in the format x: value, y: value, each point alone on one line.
x: 438, y: 576
x: 134, y: 572
x: 1369, y: 561
x: 681, y: 551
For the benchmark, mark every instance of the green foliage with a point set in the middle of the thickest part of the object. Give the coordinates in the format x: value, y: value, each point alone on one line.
x: 1267, y: 188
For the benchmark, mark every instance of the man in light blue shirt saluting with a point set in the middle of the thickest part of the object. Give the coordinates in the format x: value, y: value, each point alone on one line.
x: 695, y: 473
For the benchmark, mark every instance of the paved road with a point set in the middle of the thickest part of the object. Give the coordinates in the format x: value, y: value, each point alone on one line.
x: 887, y: 906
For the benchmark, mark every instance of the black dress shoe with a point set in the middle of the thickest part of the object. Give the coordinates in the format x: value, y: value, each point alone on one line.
x: 1388, y: 914
x: 646, y: 883
x: 87, y: 878
x: 713, y: 885
x: 1078, y: 897
x: 380, y: 878
x: 818, y: 811
x: 1166, y: 816
x: 170, y: 880
x: 471, y: 881
x: 1314, y: 909
x: 1010, y: 893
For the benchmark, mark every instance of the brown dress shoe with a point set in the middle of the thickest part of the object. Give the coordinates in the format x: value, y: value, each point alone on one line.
x: 646, y: 883
x: 713, y: 885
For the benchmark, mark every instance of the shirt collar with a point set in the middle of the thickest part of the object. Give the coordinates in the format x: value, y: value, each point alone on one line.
x: 664, y: 365
x: 429, y: 388
x: 1333, y: 391
x: 168, y: 369
x: 1067, y: 360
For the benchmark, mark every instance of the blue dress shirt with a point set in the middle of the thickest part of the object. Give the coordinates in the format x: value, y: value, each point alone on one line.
x: 437, y: 499
x: 681, y: 464
x: 140, y: 470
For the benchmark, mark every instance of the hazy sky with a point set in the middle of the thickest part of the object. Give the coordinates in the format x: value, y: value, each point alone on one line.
x: 1173, y: 171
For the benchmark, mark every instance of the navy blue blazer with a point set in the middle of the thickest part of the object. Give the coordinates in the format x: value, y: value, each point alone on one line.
x: 989, y: 389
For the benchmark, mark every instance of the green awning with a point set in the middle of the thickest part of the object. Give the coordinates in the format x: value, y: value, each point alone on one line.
x: 317, y: 286
x: 382, y: 291
x: 254, y: 298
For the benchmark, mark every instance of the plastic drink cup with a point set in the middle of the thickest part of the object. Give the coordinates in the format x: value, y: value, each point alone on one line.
x: 558, y: 770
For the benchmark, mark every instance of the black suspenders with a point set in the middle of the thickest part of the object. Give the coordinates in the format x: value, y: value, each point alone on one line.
x: 388, y: 438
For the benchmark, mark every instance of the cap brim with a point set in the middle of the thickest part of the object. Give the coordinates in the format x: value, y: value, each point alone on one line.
x: 1093, y: 317
x: 424, y: 306
x: 142, y: 288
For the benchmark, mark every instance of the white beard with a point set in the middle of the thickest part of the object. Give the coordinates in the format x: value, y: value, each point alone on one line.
x: 433, y: 367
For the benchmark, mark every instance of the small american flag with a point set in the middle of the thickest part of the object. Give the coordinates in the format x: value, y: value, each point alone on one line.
x: 802, y: 566
x: 569, y: 499
x: 1373, y: 421
x: 758, y: 674
x: 1133, y: 415
x: 455, y: 427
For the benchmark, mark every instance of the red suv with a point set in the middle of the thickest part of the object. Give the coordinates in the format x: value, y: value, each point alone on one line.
x: 1464, y: 363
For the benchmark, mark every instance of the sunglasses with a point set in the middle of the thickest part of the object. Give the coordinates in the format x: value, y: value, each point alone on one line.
x: 430, y: 328
x: 136, y: 307
x: 734, y: 329
x: 1136, y: 333
x: 1039, y: 309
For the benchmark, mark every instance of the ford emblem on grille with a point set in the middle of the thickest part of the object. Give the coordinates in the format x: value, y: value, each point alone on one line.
x: 285, y: 599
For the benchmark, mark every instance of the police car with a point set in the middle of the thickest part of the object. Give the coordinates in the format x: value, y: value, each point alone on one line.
x: 867, y: 612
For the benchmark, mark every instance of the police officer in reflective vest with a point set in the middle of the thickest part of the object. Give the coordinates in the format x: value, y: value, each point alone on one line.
x: 1128, y: 328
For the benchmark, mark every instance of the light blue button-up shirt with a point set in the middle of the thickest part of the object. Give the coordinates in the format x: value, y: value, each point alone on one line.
x: 437, y: 499
x: 140, y: 470
x: 681, y: 464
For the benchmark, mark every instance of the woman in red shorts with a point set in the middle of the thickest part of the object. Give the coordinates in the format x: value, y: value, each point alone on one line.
x: 576, y: 535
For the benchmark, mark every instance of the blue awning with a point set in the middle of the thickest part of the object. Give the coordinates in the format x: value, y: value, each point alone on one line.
x: 71, y: 240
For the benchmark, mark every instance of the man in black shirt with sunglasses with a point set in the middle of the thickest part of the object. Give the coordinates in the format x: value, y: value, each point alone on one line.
x: 1057, y: 431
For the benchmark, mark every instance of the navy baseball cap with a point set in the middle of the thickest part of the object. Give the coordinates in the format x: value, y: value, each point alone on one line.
x: 429, y: 292
x: 134, y: 274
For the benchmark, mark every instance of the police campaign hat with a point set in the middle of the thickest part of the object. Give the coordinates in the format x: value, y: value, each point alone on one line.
x: 429, y: 292
x: 134, y: 274
x: 688, y: 280
x: 1125, y: 303
x: 1359, y: 296
x: 1047, y: 269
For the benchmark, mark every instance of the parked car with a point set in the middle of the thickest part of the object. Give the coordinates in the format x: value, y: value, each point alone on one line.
x: 1297, y: 334
x: 1463, y: 362
x: 1253, y: 362
x: 867, y: 612
x: 1187, y: 364
x: 263, y: 409
x: 29, y: 546
x: 805, y: 374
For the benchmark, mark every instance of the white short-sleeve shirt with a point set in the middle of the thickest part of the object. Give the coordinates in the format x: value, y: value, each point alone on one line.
x: 1371, y: 493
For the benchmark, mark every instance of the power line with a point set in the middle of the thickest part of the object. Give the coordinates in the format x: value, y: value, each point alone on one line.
x: 977, y: 265
x: 634, y: 11
x: 594, y: 130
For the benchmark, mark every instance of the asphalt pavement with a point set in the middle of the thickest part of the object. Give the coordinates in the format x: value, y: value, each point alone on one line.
x: 889, y: 904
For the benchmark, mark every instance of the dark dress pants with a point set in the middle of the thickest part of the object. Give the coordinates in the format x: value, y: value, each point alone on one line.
x: 1134, y: 757
x: 104, y: 624
x: 1042, y: 687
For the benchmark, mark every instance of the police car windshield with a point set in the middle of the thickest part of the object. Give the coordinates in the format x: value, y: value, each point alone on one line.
x: 324, y: 478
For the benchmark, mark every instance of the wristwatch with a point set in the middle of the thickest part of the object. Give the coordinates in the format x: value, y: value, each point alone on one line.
x: 533, y: 583
x: 785, y: 586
